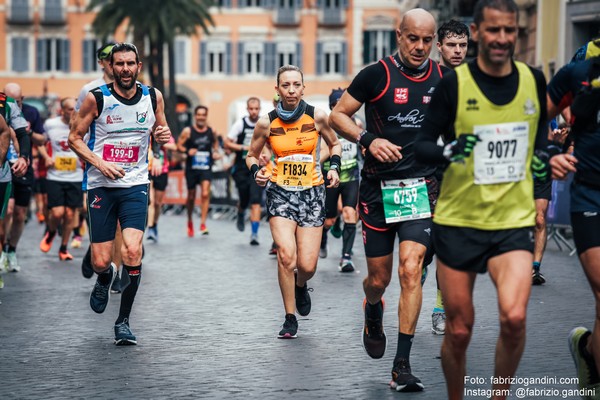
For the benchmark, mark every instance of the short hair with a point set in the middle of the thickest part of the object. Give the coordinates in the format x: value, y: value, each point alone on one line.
x: 251, y: 99
x: 451, y: 28
x: 287, y: 68
x: 501, y: 5
x: 121, y: 47
x: 200, y: 107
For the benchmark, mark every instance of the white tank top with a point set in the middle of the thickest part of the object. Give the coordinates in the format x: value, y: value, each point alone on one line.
x: 67, y: 166
x: 121, y: 135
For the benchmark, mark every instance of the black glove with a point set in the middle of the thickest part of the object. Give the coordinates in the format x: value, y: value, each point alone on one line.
x: 540, y: 166
x: 461, y: 148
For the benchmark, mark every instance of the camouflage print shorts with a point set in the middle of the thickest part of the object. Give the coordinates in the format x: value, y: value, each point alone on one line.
x: 306, y: 207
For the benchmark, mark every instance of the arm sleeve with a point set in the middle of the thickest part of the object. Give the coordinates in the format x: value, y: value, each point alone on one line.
x: 439, y: 121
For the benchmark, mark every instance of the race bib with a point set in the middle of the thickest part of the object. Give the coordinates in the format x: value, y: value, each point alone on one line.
x: 65, y: 164
x: 201, y: 160
x: 122, y: 153
x: 294, y: 172
x: 501, y: 156
x: 349, y: 155
x: 405, y: 199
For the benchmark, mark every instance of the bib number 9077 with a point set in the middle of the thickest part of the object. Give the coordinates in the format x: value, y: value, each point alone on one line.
x: 502, y: 148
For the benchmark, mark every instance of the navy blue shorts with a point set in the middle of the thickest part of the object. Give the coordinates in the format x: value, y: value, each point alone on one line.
x: 107, y: 205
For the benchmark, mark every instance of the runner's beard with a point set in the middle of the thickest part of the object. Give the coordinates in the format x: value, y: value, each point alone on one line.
x: 119, y: 82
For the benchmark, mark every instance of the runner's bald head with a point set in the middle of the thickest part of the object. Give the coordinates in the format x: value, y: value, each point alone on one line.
x: 417, y: 17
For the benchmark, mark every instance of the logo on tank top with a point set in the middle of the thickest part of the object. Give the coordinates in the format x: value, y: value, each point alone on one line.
x: 141, y: 117
x: 401, y: 95
x: 472, y: 105
x: 426, y: 99
x: 114, y: 119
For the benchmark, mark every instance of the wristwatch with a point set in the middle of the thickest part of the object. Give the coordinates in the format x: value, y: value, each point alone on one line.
x: 360, y: 136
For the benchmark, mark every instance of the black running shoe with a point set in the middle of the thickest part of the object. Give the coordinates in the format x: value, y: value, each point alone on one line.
x: 240, y: 222
x: 86, y: 264
x: 402, y: 378
x: 537, y: 278
x: 101, y: 293
x: 289, y: 327
x: 346, y: 264
x: 303, y: 299
x: 123, y: 335
x: 373, y: 336
x: 273, y: 250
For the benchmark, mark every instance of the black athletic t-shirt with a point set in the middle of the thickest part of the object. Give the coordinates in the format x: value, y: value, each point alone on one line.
x: 395, y: 106
x: 439, y: 120
x: 201, y: 141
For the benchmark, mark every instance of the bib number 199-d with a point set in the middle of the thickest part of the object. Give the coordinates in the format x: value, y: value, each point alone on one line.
x: 405, y: 199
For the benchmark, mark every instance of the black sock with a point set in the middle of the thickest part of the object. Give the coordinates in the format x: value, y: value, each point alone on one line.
x: 63, y: 248
x: 324, y: 237
x: 50, y: 236
x: 105, y: 277
x: 375, y: 311
x: 404, y: 345
x: 11, y: 249
x: 348, y: 235
x: 128, y: 296
x: 76, y: 231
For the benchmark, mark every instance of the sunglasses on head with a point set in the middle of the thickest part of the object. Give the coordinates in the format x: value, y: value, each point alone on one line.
x: 105, y: 52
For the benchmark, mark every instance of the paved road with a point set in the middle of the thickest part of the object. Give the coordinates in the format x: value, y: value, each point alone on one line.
x: 206, y: 319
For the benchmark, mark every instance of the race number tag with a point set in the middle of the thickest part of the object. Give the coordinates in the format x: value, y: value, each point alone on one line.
x: 294, y: 172
x: 122, y: 153
x: 405, y: 199
x: 65, y: 164
x: 502, y: 154
x: 201, y: 160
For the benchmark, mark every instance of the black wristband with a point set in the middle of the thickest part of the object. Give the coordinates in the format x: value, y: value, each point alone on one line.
x: 366, y: 139
x: 254, y: 170
x: 336, y: 161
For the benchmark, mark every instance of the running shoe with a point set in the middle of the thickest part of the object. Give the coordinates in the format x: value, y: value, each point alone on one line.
x: 46, y: 243
x: 537, y: 278
x: 116, y: 286
x: 123, y: 335
x: 76, y: 242
x: 1, y: 283
x: 438, y: 323
x: 13, y: 264
x: 151, y: 235
x: 64, y: 256
x: 86, y: 264
x: 273, y: 250
x: 3, y: 261
x: 336, y: 229
x: 373, y: 336
x: 323, y: 252
x: 289, y: 329
x: 402, y: 378
x: 424, y: 274
x: 254, y: 240
x: 203, y: 229
x: 303, y: 303
x: 240, y: 222
x: 40, y: 217
x: 190, y: 229
x: 585, y: 366
x: 346, y: 264
x: 101, y: 293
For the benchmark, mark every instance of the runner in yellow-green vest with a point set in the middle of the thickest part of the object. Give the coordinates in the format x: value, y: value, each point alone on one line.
x: 492, y: 113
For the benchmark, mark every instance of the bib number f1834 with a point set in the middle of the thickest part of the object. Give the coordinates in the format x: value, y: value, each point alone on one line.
x: 502, y: 154
x: 405, y: 199
x: 295, y: 172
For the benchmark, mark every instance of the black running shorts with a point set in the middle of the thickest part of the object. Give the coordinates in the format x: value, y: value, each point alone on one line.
x: 468, y: 249
x: 586, y: 230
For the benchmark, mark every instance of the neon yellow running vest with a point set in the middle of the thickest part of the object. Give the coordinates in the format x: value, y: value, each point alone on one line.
x: 488, y: 205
